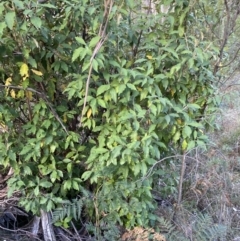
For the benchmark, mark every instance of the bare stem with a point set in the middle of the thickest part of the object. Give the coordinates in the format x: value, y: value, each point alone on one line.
x: 181, y: 179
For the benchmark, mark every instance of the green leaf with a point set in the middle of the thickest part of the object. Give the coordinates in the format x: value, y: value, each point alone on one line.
x: 77, y: 52
x: 50, y: 205
x: 54, y: 176
x: 86, y: 175
x: 36, y: 191
x: 194, y: 106
x: 80, y: 40
x: 75, y: 185
x: 176, y: 136
x: 64, y: 67
x: 43, y: 200
x: 195, y: 124
x: 48, y: 5
x: 120, y: 88
x: 102, y: 89
x: 186, y: 132
x: 175, y: 68
x: 2, y: 27
x: 25, y: 150
x: 116, y: 151
x: 67, y: 185
x: 181, y: 31
x: 85, y: 66
x: 101, y: 102
x: 94, y: 41
x: 191, y: 145
x: 46, y: 124
x: 95, y: 65
x: 69, y: 167
x: 19, y: 4
x: 113, y: 94
x: 131, y: 86
x: 172, y: 51
x: 9, y: 19
x: 12, y: 155
x: 137, y: 169
x: 66, y: 160
x: 45, y: 184
x: 143, y: 168
x: 32, y: 62
x: 53, y: 148
x: 59, y: 173
x: 36, y: 21
x: 101, y: 150
x: 27, y: 170
x: 153, y: 109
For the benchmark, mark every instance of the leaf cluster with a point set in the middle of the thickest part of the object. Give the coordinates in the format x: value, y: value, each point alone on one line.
x: 89, y: 111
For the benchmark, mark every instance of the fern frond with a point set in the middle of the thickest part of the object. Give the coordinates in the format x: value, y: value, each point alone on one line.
x: 202, y: 229
x: 205, y: 229
x: 70, y: 209
x: 165, y: 226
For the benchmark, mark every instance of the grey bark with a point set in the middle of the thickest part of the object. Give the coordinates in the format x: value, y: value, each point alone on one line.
x: 47, y: 227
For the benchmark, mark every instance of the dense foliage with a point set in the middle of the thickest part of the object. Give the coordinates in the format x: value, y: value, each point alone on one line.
x: 94, y: 94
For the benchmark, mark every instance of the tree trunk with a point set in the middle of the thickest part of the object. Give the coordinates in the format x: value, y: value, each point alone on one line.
x: 47, y: 227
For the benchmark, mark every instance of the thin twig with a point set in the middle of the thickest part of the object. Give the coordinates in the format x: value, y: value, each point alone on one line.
x: 164, y: 159
x: 29, y: 234
x: 79, y: 238
x: 235, y: 56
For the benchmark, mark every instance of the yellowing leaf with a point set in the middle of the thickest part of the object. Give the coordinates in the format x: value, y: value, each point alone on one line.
x: 36, y: 72
x: 89, y: 113
x: 181, y: 31
x: 63, y: 87
x: 3, y: 128
x: 42, y: 144
x: 29, y: 94
x: 149, y: 56
x: 179, y: 121
x: 196, y: 42
x: 64, y: 118
x: 148, y: 122
x: 172, y: 92
x: 173, y: 131
x: 201, y: 131
x: 8, y: 81
x: 13, y: 94
x: 176, y: 136
x: 24, y: 71
x: 184, y: 145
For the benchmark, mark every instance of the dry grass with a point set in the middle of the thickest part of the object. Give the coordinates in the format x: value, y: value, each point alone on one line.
x: 141, y: 234
x: 212, y: 178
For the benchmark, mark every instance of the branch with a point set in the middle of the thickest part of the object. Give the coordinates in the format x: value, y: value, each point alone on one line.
x: 202, y: 8
x: 183, y: 167
x: 44, y: 98
x: 102, y: 33
x: 75, y: 230
x: 19, y: 230
x: 135, y: 50
x: 235, y: 56
x: 21, y: 88
x: 228, y: 30
x: 164, y: 159
x: 225, y: 37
